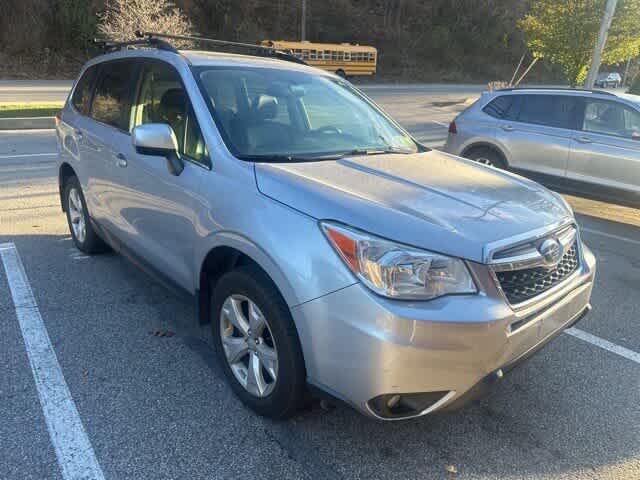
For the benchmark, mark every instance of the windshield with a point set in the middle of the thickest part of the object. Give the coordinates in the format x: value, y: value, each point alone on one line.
x: 277, y: 115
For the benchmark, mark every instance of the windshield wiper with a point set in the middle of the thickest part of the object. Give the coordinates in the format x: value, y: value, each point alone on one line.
x: 374, y: 151
x: 283, y: 158
x: 321, y: 156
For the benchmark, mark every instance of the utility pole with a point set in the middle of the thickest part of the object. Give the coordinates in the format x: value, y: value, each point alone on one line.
x: 303, y: 21
x: 602, y: 39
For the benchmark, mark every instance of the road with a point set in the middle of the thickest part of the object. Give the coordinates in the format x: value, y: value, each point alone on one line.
x: 159, y: 407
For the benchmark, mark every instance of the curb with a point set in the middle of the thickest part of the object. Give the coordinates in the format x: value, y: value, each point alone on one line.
x: 27, y: 123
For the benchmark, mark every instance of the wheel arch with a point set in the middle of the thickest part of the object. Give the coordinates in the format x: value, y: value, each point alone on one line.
x: 486, y: 145
x: 65, y: 172
x: 227, y: 252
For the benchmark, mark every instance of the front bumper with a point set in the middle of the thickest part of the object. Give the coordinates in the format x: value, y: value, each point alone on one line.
x: 358, y: 346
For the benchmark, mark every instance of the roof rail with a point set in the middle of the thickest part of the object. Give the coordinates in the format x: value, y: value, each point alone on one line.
x: 111, y: 46
x: 257, y: 50
x: 562, y: 89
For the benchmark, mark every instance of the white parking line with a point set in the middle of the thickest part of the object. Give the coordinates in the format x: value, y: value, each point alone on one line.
x: 73, y: 449
x: 605, y: 344
x: 610, y: 235
x: 440, y: 123
x: 21, y: 155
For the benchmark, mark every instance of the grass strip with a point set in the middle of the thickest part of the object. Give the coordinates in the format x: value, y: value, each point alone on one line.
x: 24, y: 110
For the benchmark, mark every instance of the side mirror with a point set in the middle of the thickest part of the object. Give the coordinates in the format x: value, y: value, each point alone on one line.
x: 635, y: 136
x: 158, y: 139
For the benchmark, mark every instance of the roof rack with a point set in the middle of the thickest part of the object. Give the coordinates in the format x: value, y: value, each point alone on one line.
x: 562, y: 89
x: 111, y: 46
x: 256, y: 50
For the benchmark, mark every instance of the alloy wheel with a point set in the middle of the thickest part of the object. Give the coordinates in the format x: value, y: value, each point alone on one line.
x: 485, y: 161
x: 76, y: 215
x: 249, y: 347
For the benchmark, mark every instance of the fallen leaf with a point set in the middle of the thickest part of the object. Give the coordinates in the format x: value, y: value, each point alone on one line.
x: 162, y: 333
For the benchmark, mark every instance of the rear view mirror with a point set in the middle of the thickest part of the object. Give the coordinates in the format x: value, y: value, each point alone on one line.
x: 158, y: 139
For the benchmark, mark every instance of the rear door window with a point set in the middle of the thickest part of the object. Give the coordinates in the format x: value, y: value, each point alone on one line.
x: 84, y: 89
x: 112, y: 100
x: 551, y: 110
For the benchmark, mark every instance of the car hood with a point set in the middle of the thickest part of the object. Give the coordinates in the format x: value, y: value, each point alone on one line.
x: 431, y: 200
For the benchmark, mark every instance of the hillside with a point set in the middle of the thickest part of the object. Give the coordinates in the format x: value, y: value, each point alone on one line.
x: 432, y: 40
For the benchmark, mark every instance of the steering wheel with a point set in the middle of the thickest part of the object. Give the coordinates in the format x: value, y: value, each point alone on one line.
x: 329, y: 129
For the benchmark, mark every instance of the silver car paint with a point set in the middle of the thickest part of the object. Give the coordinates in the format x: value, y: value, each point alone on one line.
x: 271, y: 212
x: 574, y: 154
x: 431, y: 200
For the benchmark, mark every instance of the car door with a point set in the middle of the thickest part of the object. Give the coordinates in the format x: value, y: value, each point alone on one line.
x: 538, y: 134
x: 107, y: 129
x: 160, y: 210
x: 606, y: 150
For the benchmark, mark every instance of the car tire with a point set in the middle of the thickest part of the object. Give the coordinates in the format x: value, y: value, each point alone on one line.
x: 486, y: 156
x: 274, y: 391
x: 80, y: 226
x: 341, y: 73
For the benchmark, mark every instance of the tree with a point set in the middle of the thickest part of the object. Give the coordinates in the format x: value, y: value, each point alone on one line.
x: 122, y: 18
x: 564, y: 32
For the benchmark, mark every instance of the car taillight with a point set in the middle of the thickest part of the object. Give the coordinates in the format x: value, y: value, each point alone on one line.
x: 58, y: 118
x: 452, y: 127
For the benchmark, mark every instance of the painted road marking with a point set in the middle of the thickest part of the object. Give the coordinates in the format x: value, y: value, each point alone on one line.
x: 604, y: 344
x: 440, y: 123
x: 29, y: 155
x: 611, y: 235
x: 75, y: 454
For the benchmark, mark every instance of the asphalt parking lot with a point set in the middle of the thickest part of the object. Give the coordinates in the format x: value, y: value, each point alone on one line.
x: 154, y: 404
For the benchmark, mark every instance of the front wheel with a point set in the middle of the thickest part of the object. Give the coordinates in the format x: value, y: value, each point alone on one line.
x: 257, y: 343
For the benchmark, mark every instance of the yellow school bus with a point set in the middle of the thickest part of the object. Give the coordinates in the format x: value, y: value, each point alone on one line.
x: 344, y: 59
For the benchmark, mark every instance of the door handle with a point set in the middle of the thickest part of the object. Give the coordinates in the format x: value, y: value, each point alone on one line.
x: 508, y: 128
x: 121, y: 160
x: 582, y: 139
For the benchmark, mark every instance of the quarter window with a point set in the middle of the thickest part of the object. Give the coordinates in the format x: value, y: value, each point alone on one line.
x: 112, y: 100
x: 503, y: 107
x: 163, y: 99
x: 610, y: 118
x: 82, y: 93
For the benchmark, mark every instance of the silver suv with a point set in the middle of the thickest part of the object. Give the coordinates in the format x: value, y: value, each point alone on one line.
x: 324, y: 245
x: 576, y: 140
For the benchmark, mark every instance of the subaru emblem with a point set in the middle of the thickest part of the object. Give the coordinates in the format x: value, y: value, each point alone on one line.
x: 551, y: 252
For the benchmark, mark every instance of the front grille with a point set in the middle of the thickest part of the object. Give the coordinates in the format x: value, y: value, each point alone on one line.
x: 522, y: 285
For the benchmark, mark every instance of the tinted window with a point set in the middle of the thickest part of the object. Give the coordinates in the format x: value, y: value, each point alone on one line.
x: 84, y: 89
x: 114, y: 91
x: 611, y: 118
x: 503, y: 107
x: 163, y: 99
x: 552, y: 110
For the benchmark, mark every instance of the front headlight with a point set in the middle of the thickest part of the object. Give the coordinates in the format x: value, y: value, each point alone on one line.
x: 399, y: 271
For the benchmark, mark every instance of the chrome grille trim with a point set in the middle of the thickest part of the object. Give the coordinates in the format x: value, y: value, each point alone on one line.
x: 527, y: 283
x: 526, y: 254
x: 498, y: 261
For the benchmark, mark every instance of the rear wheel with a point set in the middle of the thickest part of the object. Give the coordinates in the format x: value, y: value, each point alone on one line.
x: 341, y: 73
x: 257, y: 343
x: 80, y: 227
x: 486, y: 156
